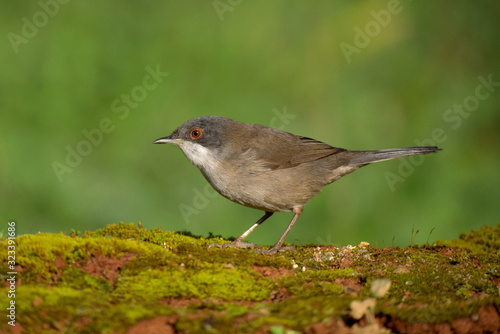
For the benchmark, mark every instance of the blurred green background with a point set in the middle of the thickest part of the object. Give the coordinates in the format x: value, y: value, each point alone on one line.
x: 354, y: 74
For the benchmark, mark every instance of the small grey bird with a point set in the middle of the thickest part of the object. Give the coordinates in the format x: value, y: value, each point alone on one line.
x: 269, y: 169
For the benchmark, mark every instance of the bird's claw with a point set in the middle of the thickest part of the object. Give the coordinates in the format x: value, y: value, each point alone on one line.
x: 241, y: 244
x: 234, y: 244
x: 274, y: 250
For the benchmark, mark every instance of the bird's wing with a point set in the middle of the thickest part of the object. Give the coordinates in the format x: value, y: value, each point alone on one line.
x: 286, y: 150
x: 309, y: 149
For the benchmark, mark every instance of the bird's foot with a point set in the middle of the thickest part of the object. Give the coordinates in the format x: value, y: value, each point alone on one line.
x: 235, y: 244
x: 274, y: 250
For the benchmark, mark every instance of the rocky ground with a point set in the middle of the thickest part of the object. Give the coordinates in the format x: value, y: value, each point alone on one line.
x: 125, y: 278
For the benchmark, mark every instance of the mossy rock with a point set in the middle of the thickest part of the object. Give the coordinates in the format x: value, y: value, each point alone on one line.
x: 125, y: 278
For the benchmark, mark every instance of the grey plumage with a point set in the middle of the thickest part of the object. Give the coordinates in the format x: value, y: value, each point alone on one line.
x: 367, y: 157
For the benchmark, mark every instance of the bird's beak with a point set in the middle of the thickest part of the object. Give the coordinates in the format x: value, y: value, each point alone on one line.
x: 167, y: 140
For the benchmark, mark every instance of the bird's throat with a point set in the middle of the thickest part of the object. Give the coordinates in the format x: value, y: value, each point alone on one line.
x: 200, y: 156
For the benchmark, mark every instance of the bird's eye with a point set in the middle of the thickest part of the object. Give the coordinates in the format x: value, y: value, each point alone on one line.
x: 196, y: 133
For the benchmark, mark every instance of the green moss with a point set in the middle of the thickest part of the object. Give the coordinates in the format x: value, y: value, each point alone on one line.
x: 79, y: 279
x: 108, y: 280
x: 485, y: 240
x: 168, y: 240
x: 225, y: 284
x: 314, y: 283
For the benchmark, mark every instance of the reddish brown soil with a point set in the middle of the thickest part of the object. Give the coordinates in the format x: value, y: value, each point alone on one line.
x: 105, y: 267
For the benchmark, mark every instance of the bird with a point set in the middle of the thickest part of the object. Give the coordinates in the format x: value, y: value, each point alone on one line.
x: 267, y: 169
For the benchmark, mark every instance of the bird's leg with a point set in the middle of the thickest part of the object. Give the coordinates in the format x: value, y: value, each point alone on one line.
x: 238, y: 242
x: 277, y: 247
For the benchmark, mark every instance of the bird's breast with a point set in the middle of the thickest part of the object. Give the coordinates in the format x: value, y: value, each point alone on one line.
x: 209, y: 163
x: 248, y: 182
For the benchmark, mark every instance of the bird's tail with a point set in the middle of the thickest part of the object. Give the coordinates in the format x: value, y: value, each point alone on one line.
x: 366, y: 157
